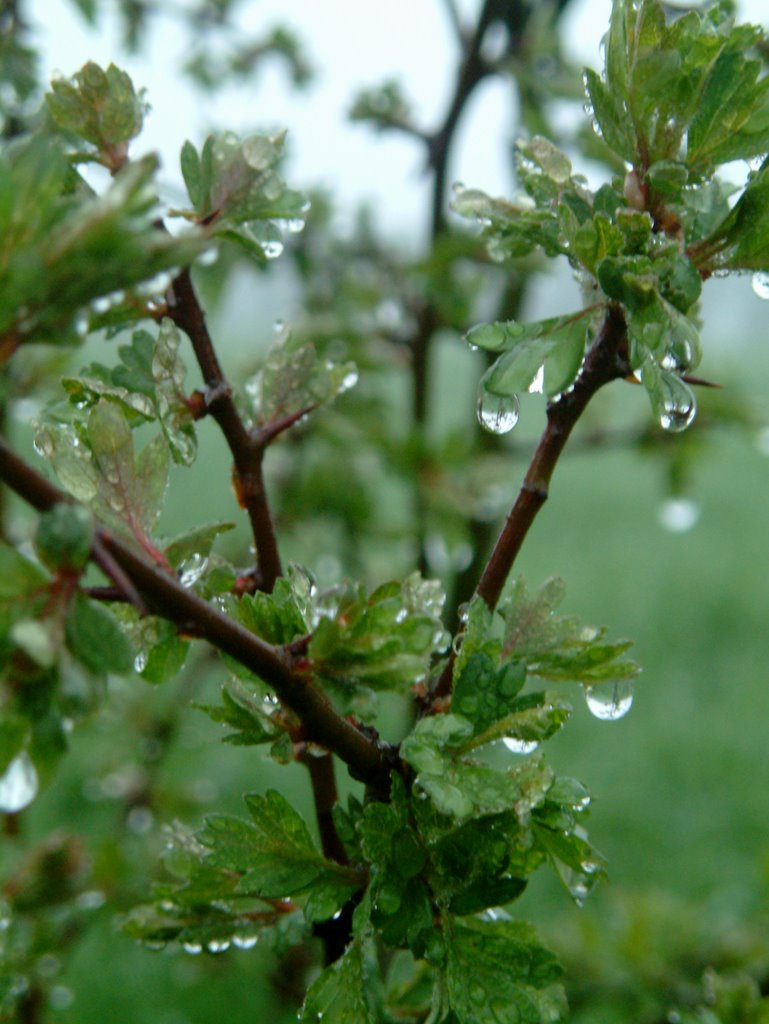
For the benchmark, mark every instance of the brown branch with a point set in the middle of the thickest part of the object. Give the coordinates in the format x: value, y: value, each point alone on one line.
x: 165, y: 596
x: 604, y: 362
x: 247, y: 449
x: 325, y: 796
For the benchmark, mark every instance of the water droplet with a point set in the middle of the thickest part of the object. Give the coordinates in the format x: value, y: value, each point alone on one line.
x: 294, y: 224
x: 19, y: 784
x: 760, y: 284
x: 518, y: 746
x: 537, y: 385
x: 609, y: 701
x: 193, y: 948
x: 272, y: 249
x: 140, y: 820
x: 349, y: 381
x: 582, y: 804
x: 498, y: 413
x: 91, y: 900
x: 81, y: 325
x: 209, y: 257
x: 43, y: 444
x: 678, y: 405
x: 245, y: 941
x: 678, y: 514
x: 61, y: 997
x: 101, y: 305
x: 192, y: 569
x: 140, y: 661
x: 218, y: 945
x: 117, y: 503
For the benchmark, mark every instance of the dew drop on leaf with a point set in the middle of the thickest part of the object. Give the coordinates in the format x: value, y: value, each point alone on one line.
x: 678, y: 514
x: 244, y: 941
x: 760, y: 284
x: 193, y: 948
x: 609, y: 701
x: 140, y: 661
x: 518, y: 746
x: 498, y: 413
x: 192, y: 569
x: 18, y: 785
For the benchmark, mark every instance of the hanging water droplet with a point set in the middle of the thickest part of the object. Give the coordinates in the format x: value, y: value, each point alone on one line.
x: 760, y: 284
x: 140, y: 661
x: 81, y: 325
x: 272, y: 249
x: 678, y: 514
x: 245, y: 941
x: 537, y: 385
x: 609, y: 701
x: 218, y: 945
x: 294, y: 224
x: 193, y: 948
x: 101, y: 305
x: 19, y: 784
x: 678, y: 405
x: 519, y: 746
x: 498, y: 413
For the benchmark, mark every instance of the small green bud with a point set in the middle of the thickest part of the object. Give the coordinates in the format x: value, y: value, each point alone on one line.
x: 64, y: 536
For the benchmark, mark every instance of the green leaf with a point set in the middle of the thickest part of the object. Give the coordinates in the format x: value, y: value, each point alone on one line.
x: 338, y: 995
x: 102, y: 107
x: 14, y: 733
x: 273, y: 853
x: 557, y: 647
x: 295, y: 379
x: 95, y: 638
x: 18, y: 575
x: 64, y: 536
x: 497, y: 970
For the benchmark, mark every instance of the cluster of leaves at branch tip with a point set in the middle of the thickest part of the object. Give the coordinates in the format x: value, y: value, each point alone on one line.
x: 677, y: 101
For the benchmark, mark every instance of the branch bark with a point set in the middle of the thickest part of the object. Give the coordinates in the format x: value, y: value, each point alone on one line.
x: 247, y: 449
x: 165, y: 596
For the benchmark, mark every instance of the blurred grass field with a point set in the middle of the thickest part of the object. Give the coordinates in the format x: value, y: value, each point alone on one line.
x: 680, y: 785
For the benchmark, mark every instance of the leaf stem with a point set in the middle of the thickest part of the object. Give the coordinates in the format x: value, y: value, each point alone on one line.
x: 165, y: 596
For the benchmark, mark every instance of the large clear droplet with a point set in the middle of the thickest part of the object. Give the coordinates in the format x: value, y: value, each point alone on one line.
x: 518, y: 746
x: 18, y: 785
x: 609, y: 701
x: 678, y: 405
x: 498, y: 413
x: 272, y: 249
x: 192, y: 569
x: 760, y: 284
x: 678, y: 514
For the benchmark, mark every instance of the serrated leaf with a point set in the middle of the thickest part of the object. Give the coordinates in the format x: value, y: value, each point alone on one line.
x: 95, y: 638
x: 499, y: 971
x: 102, y: 107
x: 338, y: 995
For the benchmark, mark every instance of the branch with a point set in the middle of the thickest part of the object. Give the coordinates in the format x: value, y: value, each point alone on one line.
x: 604, y: 362
x: 166, y: 597
x: 247, y: 450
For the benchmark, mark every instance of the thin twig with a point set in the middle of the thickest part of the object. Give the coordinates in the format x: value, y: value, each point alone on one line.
x: 602, y: 365
x: 247, y: 450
